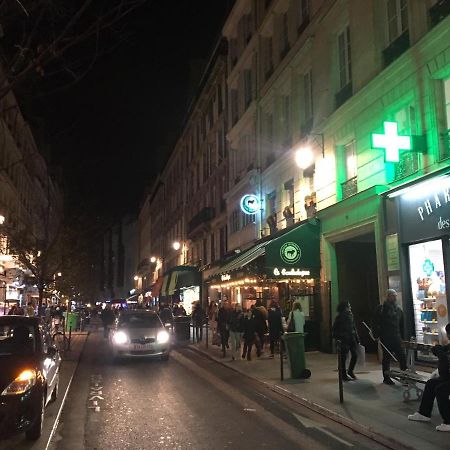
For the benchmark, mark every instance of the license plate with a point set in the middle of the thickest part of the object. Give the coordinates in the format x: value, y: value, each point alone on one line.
x: 140, y: 347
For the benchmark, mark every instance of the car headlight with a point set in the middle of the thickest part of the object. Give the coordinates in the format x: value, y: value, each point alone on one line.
x: 120, y: 337
x: 25, y: 381
x: 162, y: 337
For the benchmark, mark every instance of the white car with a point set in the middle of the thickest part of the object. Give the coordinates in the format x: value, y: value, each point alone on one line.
x: 139, y: 333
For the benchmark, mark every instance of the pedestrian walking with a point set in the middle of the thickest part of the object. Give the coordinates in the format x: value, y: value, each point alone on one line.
x: 388, y: 327
x: 296, y: 318
x: 437, y: 388
x: 212, y: 319
x: 275, y: 326
x: 249, y: 334
x: 236, y: 330
x: 344, y: 330
x: 260, y: 316
x: 223, y: 325
x: 198, y: 319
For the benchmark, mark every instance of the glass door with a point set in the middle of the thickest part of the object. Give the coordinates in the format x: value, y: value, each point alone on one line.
x: 429, y: 293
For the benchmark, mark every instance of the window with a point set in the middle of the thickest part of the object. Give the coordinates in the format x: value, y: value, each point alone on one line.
x: 345, y: 68
x: 286, y: 116
x: 307, y: 97
x: 235, y: 220
x: 397, y: 16
x: 350, y: 160
x: 248, y: 218
x: 234, y: 106
x: 303, y: 15
x: 284, y: 44
x: 219, y: 99
x: 223, y: 241
x: 221, y: 146
x: 268, y: 58
x: 248, y: 94
x: 409, y: 160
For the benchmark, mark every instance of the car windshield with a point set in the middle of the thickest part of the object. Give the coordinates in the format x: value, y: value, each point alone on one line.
x: 17, y: 339
x: 140, y: 321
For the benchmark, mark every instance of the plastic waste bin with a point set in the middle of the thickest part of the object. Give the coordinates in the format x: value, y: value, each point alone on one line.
x: 181, y: 325
x: 71, y: 321
x: 295, y: 347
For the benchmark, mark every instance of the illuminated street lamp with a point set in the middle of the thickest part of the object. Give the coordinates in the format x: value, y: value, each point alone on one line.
x: 304, y: 157
x: 136, y: 278
x: 2, y: 219
x: 176, y: 245
x: 153, y: 259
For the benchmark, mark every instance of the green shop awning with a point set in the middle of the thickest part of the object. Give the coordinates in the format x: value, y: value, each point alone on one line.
x: 295, y: 253
x: 180, y: 277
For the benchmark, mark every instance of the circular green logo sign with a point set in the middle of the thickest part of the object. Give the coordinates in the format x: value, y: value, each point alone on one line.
x: 290, y: 252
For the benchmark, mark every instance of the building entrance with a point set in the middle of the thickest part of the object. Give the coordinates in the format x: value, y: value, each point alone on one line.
x: 358, y: 281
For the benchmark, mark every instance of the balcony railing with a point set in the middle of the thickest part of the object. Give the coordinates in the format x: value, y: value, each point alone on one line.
x: 408, y: 164
x: 439, y: 12
x: 396, y: 48
x: 344, y: 94
x: 203, y: 217
x: 349, y: 187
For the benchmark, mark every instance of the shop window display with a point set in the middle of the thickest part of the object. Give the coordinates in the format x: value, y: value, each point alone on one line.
x: 429, y: 293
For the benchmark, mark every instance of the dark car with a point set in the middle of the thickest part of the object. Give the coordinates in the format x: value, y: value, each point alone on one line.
x: 29, y: 375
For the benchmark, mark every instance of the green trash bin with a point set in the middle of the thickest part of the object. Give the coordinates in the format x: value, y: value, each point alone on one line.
x: 71, y: 321
x: 295, y: 347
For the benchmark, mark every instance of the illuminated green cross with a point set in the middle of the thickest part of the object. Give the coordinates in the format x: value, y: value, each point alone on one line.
x: 391, y: 142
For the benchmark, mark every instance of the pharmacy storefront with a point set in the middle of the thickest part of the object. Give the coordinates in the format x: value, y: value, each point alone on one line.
x: 422, y: 270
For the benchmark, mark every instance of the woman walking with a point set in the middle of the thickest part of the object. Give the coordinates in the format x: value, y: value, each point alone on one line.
x: 296, y: 319
x: 344, y: 330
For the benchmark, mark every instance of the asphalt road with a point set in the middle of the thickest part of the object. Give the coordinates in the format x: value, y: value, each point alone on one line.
x: 186, y: 402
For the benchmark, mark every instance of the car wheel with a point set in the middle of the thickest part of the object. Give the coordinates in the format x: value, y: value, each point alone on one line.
x: 165, y: 357
x: 35, y: 431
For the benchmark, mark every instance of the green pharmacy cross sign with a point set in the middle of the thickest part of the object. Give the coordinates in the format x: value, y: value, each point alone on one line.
x: 428, y: 267
x: 391, y: 142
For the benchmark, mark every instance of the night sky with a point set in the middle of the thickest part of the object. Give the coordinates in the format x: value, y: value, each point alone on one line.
x: 111, y: 131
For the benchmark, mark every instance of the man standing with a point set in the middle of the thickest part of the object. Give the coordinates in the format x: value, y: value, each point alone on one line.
x: 388, y: 327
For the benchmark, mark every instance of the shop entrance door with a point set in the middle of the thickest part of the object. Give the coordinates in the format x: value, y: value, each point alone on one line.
x: 358, y: 281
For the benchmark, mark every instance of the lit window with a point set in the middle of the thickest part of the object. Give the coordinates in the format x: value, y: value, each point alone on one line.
x: 397, y: 15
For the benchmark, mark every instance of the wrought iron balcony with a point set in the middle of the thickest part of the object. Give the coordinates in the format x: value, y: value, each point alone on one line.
x: 396, y: 48
x: 439, y: 12
x: 349, y: 187
x: 202, y: 218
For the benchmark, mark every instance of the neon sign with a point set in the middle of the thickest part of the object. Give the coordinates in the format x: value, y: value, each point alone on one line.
x: 250, y: 204
x: 391, y: 142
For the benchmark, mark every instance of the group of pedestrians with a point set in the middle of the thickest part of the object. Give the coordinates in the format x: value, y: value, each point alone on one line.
x: 235, y: 328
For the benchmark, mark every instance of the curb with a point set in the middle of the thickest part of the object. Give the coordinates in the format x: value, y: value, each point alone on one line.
x: 330, y: 414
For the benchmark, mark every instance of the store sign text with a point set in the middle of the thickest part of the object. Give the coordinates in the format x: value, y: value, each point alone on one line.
x: 430, y: 205
x: 291, y: 272
x: 225, y: 277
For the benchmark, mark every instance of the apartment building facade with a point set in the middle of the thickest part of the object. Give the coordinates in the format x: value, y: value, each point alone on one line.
x: 321, y: 97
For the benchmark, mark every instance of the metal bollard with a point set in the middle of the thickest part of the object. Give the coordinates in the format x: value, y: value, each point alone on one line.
x: 341, y: 385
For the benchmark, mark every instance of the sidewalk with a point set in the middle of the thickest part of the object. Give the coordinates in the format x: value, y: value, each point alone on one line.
x: 367, y: 401
x: 77, y: 341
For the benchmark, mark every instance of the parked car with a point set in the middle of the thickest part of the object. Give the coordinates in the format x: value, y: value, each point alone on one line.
x: 29, y: 375
x: 138, y: 333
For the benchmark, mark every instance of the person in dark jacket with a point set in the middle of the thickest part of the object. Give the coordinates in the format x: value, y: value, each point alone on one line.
x: 388, y: 327
x: 258, y: 313
x: 223, y: 325
x: 236, y: 330
x: 344, y: 330
x: 198, y: 319
x: 437, y: 387
x: 275, y: 326
x: 249, y: 334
